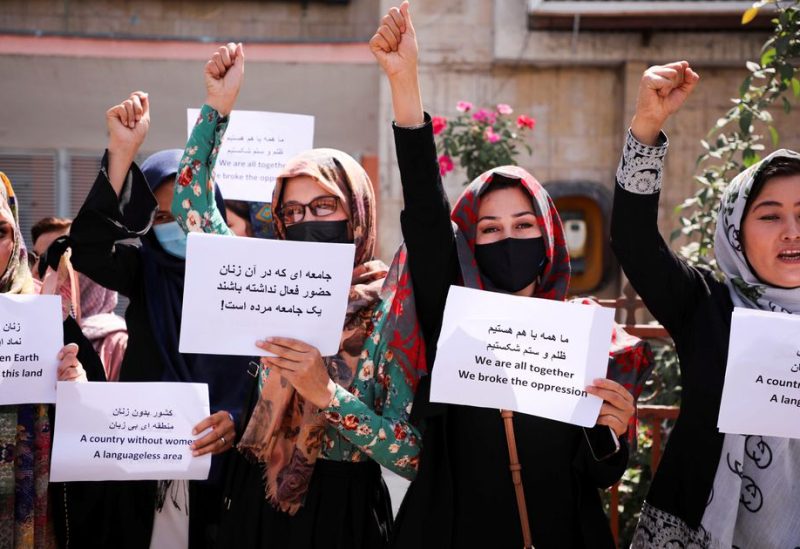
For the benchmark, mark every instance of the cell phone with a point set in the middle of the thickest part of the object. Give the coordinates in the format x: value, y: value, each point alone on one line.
x: 603, y: 443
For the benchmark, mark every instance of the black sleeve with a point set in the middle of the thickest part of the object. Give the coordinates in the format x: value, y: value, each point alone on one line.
x: 604, y: 473
x: 668, y: 286
x: 426, y: 225
x: 86, y: 353
x: 104, y: 236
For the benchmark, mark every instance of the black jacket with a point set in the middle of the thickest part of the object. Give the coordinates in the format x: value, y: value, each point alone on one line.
x: 695, y: 308
x: 463, y: 495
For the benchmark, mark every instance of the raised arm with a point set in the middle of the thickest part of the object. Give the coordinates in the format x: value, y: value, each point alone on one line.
x: 119, y: 206
x: 193, y: 203
x: 425, y: 218
x: 668, y: 286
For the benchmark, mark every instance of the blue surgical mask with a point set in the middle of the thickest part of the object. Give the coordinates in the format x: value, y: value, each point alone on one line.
x: 172, y: 238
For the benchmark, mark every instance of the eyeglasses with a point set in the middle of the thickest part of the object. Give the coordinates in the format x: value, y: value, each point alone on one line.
x: 295, y: 212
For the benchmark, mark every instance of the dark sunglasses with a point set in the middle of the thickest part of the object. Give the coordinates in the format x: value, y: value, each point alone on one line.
x: 295, y: 212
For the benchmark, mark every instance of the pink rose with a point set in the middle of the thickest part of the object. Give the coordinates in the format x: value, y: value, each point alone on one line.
x: 502, y: 108
x: 439, y: 124
x: 490, y: 136
x: 464, y: 106
x: 481, y: 116
x: 445, y: 164
x: 525, y: 122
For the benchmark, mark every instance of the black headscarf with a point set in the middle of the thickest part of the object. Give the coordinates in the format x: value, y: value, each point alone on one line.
x: 163, y: 281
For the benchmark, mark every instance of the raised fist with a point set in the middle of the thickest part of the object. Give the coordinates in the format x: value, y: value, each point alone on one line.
x: 129, y: 122
x: 662, y: 91
x: 224, y: 74
x: 394, y: 44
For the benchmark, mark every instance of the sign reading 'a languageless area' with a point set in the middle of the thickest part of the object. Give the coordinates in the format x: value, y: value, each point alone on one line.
x: 761, y: 395
x: 31, y: 335
x: 255, y: 149
x: 128, y: 431
x: 533, y: 356
x: 238, y: 291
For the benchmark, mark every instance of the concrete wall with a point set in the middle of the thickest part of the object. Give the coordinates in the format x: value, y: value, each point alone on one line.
x: 243, y: 19
x: 56, y: 102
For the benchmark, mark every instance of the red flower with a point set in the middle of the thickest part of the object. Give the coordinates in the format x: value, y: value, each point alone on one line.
x: 186, y: 176
x: 445, y: 164
x: 439, y: 124
x: 525, y: 122
x: 350, y: 422
x: 399, y: 432
x: 490, y: 136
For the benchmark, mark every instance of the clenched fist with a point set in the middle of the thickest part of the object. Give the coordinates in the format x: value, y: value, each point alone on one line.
x: 224, y: 74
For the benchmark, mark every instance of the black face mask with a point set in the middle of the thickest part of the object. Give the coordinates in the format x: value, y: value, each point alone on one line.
x: 319, y: 231
x: 512, y: 264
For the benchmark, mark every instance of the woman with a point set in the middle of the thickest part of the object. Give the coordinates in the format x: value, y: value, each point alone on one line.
x: 509, y: 239
x: 25, y: 430
x: 698, y: 498
x: 102, y: 327
x: 125, y: 239
x: 319, y: 427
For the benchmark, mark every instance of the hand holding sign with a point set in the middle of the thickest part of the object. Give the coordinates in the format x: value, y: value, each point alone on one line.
x: 302, y: 366
x: 618, y: 405
x: 70, y: 368
x: 224, y: 74
x: 219, y: 439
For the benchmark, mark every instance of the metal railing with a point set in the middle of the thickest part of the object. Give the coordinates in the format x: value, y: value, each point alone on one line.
x: 627, y: 306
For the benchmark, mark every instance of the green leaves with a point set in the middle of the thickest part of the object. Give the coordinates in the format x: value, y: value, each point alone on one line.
x: 733, y: 144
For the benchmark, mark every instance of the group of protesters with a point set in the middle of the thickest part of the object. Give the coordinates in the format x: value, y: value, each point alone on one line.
x: 299, y: 439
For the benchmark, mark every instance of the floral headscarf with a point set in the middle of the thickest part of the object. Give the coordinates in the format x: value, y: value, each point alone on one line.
x: 554, y: 280
x: 285, y: 433
x: 745, y: 287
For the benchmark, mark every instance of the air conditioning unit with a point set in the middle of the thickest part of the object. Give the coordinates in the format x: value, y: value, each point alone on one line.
x: 642, y: 15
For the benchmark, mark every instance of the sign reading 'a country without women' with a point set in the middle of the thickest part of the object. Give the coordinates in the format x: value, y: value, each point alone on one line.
x: 534, y: 356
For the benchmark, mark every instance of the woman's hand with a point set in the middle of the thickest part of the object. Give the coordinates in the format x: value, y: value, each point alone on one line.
x: 224, y: 74
x: 394, y: 45
x: 69, y: 367
x: 662, y: 91
x: 219, y: 439
x: 128, y: 124
x: 302, y: 366
x: 618, y: 405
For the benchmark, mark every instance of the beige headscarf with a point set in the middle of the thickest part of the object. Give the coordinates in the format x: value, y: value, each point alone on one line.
x: 285, y: 433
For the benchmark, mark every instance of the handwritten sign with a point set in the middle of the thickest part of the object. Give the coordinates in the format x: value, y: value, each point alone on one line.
x: 128, y: 431
x: 256, y: 147
x: 31, y: 335
x: 761, y: 395
x: 534, y: 356
x: 240, y: 290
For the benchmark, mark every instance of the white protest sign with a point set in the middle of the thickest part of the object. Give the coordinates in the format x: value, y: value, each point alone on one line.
x: 761, y: 395
x: 128, y: 431
x: 533, y: 356
x: 31, y: 335
x: 254, y: 150
x: 241, y: 290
